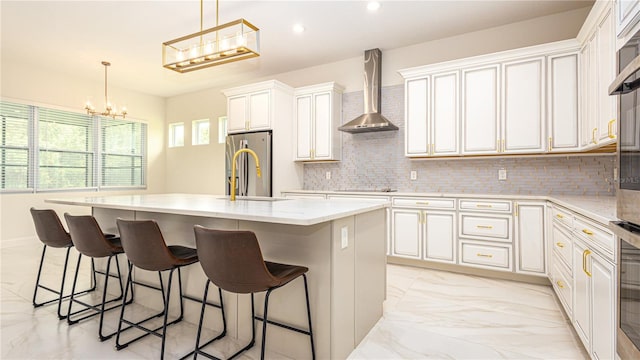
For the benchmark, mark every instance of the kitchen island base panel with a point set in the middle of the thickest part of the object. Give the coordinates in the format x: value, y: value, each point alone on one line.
x: 346, y: 285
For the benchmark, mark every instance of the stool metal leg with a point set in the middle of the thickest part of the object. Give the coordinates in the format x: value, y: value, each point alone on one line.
x: 64, y: 275
x: 197, y: 351
x: 264, y: 323
x: 306, y: 294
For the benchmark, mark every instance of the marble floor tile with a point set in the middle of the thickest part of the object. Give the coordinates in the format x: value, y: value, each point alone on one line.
x: 428, y: 314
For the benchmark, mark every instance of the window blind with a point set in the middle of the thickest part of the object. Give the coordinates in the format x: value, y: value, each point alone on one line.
x: 123, y: 160
x: 15, y: 156
x: 66, y: 150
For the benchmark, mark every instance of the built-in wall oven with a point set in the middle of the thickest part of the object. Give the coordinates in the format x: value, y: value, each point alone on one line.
x: 627, y: 87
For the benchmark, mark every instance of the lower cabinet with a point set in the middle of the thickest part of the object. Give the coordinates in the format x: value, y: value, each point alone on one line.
x: 423, y: 234
x: 529, y: 235
x: 594, y: 301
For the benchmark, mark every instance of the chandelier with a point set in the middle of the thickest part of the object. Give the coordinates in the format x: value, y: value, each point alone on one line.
x: 110, y: 110
x: 233, y: 41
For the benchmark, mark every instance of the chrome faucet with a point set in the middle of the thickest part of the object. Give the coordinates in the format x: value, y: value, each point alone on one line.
x: 233, y: 169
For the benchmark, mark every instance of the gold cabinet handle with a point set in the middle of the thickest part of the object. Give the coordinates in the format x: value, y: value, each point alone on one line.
x: 515, y: 209
x: 484, y: 205
x: 585, y: 254
x: 560, y: 216
x: 588, y: 232
x: 422, y: 203
x: 313, y: 154
x: 484, y: 255
x: 560, y: 284
x: 559, y: 244
x: 504, y: 147
x: 498, y: 145
x: 593, y: 135
x: 484, y: 226
x: 550, y: 143
x: 610, y: 129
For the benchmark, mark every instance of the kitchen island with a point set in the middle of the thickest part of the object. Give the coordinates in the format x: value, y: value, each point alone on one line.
x: 342, y: 242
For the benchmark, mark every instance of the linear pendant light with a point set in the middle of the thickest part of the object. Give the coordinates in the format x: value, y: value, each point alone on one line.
x: 233, y: 41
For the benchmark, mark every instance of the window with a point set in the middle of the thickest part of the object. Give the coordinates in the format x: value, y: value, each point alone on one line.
x: 200, y: 132
x: 123, y: 153
x: 15, y: 153
x: 222, y: 129
x: 176, y: 134
x: 50, y: 149
x: 66, y: 152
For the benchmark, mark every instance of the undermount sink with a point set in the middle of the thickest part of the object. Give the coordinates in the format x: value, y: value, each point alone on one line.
x: 255, y: 198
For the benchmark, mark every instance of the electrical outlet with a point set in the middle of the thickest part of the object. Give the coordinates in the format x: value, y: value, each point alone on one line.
x: 345, y: 237
x: 414, y: 175
x: 328, y: 175
x: 502, y: 174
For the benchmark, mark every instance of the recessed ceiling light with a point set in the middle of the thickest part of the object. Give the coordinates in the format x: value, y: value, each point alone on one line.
x: 373, y: 5
x: 298, y: 28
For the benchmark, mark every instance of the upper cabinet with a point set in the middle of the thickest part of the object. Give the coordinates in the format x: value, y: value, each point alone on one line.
x: 627, y: 16
x: 522, y: 101
x: 431, y: 108
x: 598, y: 59
x: 254, y: 107
x: 317, y: 114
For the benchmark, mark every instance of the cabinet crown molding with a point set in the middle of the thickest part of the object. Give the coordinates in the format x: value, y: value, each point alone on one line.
x: 328, y: 86
x: 492, y: 58
x: 264, y: 85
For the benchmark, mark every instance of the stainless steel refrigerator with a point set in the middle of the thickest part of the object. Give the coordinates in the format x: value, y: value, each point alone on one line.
x: 247, y: 181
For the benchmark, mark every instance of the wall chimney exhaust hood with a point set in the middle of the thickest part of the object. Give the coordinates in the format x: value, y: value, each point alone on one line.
x: 371, y: 120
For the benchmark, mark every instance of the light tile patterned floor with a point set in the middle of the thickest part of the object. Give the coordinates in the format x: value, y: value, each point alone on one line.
x: 428, y: 314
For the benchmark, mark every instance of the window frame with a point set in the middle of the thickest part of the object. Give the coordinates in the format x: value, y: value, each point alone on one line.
x: 172, y: 134
x: 195, y: 132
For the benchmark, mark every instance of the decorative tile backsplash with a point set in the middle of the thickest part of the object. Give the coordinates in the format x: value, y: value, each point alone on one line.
x: 376, y: 160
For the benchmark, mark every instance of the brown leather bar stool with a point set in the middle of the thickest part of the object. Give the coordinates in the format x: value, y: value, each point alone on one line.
x: 146, y: 249
x: 52, y: 234
x: 233, y: 261
x: 90, y: 241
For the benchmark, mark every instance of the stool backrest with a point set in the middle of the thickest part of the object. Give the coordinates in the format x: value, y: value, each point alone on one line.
x: 144, y: 245
x: 49, y: 228
x: 232, y: 260
x: 88, y: 238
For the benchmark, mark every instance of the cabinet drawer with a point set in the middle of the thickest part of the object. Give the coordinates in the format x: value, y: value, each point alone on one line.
x: 486, y: 206
x: 562, y: 216
x: 425, y: 203
x: 486, y: 255
x: 494, y: 228
x: 595, y: 233
x: 562, y: 244
x: 356, y: 197
x: 562, y: 284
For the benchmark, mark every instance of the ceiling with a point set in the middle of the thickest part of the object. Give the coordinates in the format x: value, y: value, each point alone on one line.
x: 75, y: 36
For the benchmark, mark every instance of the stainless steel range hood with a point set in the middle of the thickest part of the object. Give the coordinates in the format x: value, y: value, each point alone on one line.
x: 371, y: 120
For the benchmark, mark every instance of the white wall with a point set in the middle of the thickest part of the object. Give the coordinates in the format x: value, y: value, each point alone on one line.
x: 196, y: 169
x: 33, y: 84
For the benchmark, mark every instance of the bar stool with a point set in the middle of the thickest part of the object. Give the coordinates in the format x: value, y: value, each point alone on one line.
x: 90, y: 241
x: 146, y: 249
x: 52, y: 234
x: 233, y: 261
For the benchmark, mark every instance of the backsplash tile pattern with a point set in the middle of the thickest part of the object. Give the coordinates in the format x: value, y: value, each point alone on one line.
x: 376, y: 160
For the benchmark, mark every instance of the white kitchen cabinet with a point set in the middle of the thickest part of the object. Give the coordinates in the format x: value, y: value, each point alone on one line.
x: 422, y: 230
x: 523, y: 106
x: 318, y: 111
x: 529, y: 237
x: 481, y: 110
x: 627, y: 15
x: 406, y: 232
x: 254, y: 107
x: 598, y: 58
x: 562, y: 95
x: 594, y: 301
x: 432, y: 119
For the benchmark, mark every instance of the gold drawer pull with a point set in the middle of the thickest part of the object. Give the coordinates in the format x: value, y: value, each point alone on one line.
x: 560, y: 284
x: 559, y: 216
x: 593, y: 135
x: 422, y: 203
x: 484, y: 226
x: 484, y: 255
x: 588, y: 232
x: 559, y: 244
x: 585, y: 254
x: 484, y: 205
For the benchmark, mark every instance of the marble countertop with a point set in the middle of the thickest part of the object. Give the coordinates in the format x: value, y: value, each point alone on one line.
x: 599, y: 208
x: 280, y: 211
